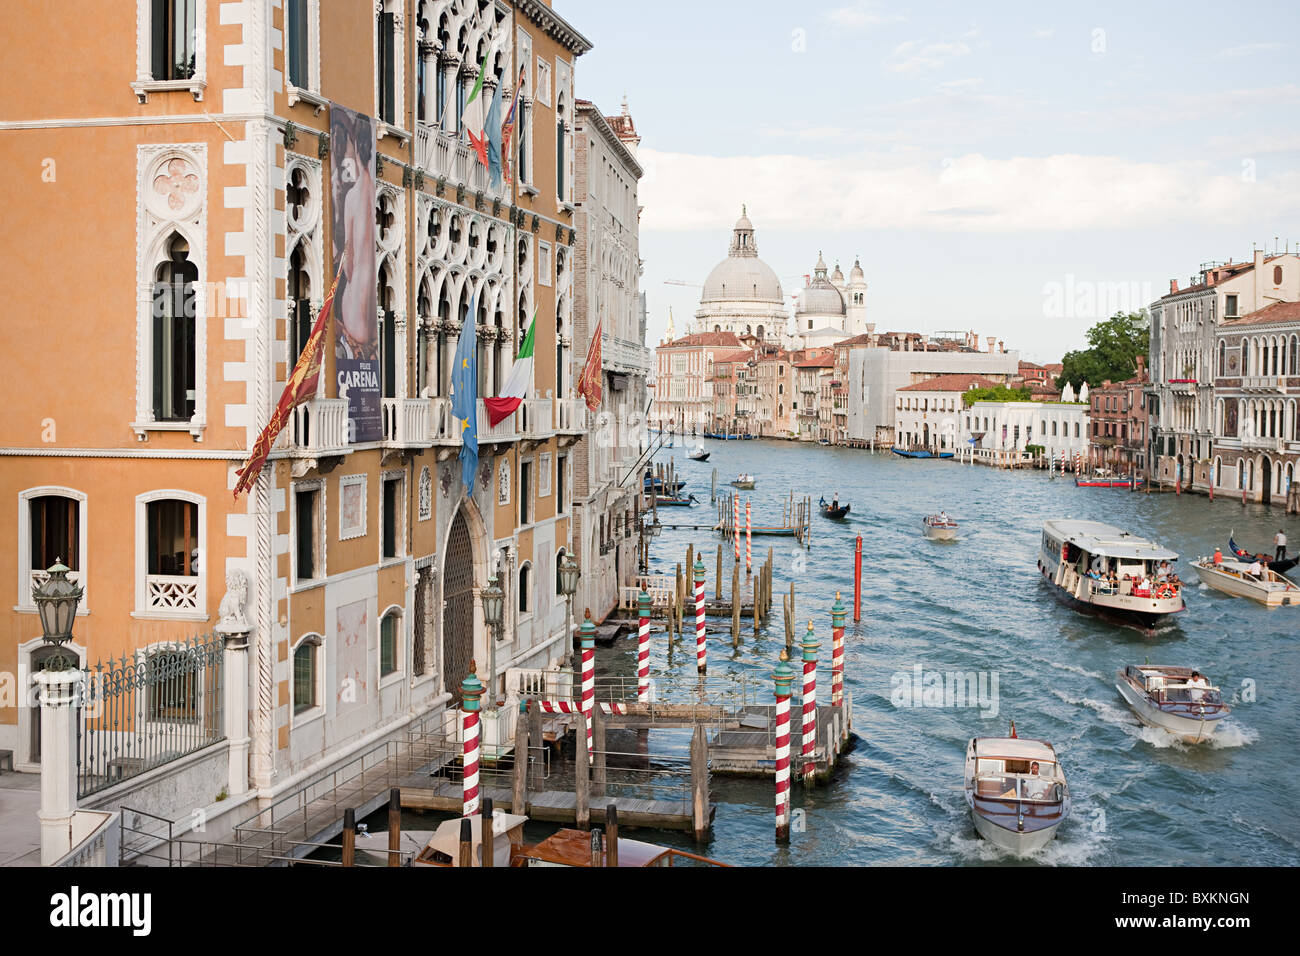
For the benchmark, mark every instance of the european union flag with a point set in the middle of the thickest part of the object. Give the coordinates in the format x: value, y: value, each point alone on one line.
x: 464, y: 397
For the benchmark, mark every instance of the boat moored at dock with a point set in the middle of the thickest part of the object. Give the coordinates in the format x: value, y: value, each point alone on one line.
x: 1016, y: 791
x: 1178, y: 700
x: 1105, y: 570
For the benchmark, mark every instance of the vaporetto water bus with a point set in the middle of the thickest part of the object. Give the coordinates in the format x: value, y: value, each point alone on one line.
x: 1101, y: 569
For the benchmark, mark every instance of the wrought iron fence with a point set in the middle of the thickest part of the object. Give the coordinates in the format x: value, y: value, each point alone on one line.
x: 143, y: 711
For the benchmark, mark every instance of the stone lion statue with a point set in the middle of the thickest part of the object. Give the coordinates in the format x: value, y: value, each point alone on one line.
x: 231, y: 617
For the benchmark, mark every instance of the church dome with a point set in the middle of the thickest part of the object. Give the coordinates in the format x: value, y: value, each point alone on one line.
x: 742, y: 276
x: 819, y: 297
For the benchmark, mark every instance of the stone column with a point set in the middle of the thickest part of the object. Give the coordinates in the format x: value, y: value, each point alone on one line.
x: 235, y: 704
x: 429, y: 57
x: 234, y: 627
x: 59, y: 692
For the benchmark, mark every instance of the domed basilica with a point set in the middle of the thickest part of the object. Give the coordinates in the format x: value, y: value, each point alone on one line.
x: 742, y: 295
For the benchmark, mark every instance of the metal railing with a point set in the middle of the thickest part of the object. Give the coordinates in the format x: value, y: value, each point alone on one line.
x: 142, y: 712
x: 147, y: 839
x: 299, y: 815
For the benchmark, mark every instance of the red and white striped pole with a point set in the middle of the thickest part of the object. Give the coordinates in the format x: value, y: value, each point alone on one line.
x: 810, y: 645
x: 643, y: 648
x: 471, y: 692
x: 587, y: 641
x: 701, y: 653
x: 838, y: 613
x: 784, y: 677
x: 735, y: 525
x: 749, y: 553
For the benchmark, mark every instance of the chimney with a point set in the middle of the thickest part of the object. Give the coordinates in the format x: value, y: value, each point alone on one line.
x: 1173, y: 286
x: 1141, y: 365
x: 1259, y: 258
x: 1002, y: 347
x: 992, y: 340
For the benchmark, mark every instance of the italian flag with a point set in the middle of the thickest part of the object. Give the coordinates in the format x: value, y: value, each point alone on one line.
x: 517, y: 383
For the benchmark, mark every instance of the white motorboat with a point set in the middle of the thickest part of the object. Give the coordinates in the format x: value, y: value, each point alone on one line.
x: 1175, y: 699
x: 441, y: 847
x: 1016, y: 792
x: 1234, y: 577
x: 939, y: 527
x: 1102, y: 569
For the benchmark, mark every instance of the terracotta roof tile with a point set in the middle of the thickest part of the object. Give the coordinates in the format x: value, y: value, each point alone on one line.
x: 951, y: 383
x: 1277, y: 312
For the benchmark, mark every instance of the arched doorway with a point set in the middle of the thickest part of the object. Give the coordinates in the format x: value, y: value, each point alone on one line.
x: 1266, y: 479
x: 457, y: 606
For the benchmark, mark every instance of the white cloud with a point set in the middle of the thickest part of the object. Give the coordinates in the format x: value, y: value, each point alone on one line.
x: 915, y: 55
x: 1247, y: 49
x: 861, y: 14
x: 971, y: 193
x: 966, y: 85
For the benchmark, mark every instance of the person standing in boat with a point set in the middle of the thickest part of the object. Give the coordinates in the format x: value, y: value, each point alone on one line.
x: 1256, y: 570
x: 835, y: 501
x: 1280, y: 541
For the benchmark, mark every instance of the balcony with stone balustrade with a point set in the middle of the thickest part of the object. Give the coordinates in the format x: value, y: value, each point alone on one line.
x: 451, y: 162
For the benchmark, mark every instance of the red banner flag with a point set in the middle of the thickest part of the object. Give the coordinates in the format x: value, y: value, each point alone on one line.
x: 589, y: 381
x: 300, y: 387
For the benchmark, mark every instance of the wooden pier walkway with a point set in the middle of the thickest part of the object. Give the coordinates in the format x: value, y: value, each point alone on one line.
x: 559, y: 806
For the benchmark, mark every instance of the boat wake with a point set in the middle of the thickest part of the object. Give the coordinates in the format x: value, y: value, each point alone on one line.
x: 1233, y: 734
x: 1074, y: 669
x: 1077, y: 844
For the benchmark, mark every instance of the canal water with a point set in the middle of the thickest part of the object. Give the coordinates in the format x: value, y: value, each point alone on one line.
x: 978, y: 604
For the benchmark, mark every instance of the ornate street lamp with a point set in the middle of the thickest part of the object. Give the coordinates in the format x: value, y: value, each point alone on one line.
x: 56, y: 600
x: 569, y: 574
x: 493, y: 605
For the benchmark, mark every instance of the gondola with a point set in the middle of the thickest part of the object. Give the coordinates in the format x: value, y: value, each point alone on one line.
x: 829, y: 512
x: 1281, y: 567
x: 698, y: 454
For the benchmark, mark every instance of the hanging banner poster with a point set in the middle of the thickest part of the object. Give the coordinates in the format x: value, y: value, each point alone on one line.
x: 356, y: 326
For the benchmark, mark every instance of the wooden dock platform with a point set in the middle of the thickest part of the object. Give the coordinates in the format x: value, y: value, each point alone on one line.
x: 559, y: 806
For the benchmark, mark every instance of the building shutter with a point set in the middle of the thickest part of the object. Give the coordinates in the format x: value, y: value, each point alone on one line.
x: 158, y: 39
x: 388, y: 33
x: 297, y: 16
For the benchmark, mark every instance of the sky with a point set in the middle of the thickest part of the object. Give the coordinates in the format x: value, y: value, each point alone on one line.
x: 1018, y: 169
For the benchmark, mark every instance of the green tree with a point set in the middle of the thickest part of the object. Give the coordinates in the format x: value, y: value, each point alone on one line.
x: 1113, y: 348
x: 999, y: 393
